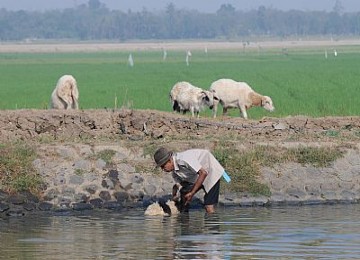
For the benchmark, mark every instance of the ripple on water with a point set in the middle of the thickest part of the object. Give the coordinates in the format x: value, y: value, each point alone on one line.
x: 313, y: 232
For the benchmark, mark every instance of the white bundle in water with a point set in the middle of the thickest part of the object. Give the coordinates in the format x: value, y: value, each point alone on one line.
x: 162, y: 209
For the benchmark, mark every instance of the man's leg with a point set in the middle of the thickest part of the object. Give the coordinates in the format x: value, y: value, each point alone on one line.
x: 209, y: 209
x: 212, y: 198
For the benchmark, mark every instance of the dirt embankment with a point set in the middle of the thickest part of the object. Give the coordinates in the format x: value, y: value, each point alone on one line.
x: 135, y: 125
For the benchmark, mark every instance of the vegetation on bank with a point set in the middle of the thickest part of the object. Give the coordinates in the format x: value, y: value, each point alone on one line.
x: 300, y: 81
x: 244, y: 165
x: 17, y: 172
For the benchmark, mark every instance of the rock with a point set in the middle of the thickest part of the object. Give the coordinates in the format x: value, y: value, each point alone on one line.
x: 136, y: 138
x: 96, y: 203
x: 92, y: 188
x: 81, y: 197
x: 109, y: 184
x: 3, y: 195
x: 113, y: 175
x: 104, y: 184
x: 15, y: 213
x: 150, y: 189
x: 158, y: 133
x: 138, y: 123
x: 82, y: 206
x: 105, y: 195
x: 82, y: 165
x: 100, y: 163
x: 65, y: 203
x: 60, y: 179
x: 3, y: 207
x: 91, y: 177
x: 121, y: 196
x: 29, y: 197
x: 280, y: 126
x: 66, y: 153
x: 45, y: 206
x: 137, y: 178
x: 126, y: 168
x: 112, y: 205
x: 51, y: 194
x: 76, y: 180
x: 16, y: 199
x: 68, y: 191
x: 29, y: 206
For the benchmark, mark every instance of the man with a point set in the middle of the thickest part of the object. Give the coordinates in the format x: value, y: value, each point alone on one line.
x: 197, y: 168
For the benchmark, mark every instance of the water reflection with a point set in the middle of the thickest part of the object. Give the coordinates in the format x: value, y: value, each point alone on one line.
x: 321, y: 232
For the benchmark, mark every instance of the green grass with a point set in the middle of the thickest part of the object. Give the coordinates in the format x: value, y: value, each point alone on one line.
x: 17, y: 172
x: 300, y: 83
x: 244, y: 167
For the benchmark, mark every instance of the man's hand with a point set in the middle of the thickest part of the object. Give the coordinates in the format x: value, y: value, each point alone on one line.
x: 188, y: 197
x: 197, y: 186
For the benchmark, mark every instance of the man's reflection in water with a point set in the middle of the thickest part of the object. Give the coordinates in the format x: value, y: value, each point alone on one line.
x: 200, y: 237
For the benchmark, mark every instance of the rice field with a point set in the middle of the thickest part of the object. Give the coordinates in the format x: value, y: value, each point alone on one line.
x: 300, y: 81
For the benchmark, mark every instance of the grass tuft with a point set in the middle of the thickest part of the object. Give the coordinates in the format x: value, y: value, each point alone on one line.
x: 316, y: 156
x: 244, y: 167
x: 17, y: 172
x: 106, y: 155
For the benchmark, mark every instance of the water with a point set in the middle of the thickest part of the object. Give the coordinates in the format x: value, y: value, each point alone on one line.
x: 308, y: 232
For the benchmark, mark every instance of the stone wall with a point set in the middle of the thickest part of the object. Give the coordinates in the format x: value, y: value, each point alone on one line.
x: 69, y: 145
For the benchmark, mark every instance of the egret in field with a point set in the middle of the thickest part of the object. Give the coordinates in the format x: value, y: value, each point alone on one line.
x: 187, y: 59
x: 131, y: 60
x: 164, y: 55
x: 335, y: 53
x: 325, y: 54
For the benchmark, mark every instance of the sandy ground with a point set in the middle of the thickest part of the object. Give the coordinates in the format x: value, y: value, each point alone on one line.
x: 26, y: 47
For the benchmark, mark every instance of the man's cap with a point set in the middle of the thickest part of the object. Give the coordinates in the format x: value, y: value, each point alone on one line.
x: 161, y: 156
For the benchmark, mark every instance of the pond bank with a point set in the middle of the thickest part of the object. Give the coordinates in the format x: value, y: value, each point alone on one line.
x: 103, y: 159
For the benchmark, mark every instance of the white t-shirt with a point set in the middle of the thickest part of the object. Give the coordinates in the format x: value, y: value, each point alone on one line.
x: 188, y: 163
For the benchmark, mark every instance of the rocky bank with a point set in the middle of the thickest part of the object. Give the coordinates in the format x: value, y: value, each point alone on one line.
x: 102, y: 159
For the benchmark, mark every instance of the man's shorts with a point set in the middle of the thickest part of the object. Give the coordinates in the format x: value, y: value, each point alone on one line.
x: 212, y: 197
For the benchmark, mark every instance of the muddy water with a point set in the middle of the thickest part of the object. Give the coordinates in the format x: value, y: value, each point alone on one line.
x: 309, y: 232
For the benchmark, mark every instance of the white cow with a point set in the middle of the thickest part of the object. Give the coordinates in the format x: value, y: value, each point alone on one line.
x: 233, y: 94
x: 186, y: 97
x: 65, y: 94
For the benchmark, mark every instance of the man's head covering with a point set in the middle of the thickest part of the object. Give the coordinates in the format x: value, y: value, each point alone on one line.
x: 161, y: 156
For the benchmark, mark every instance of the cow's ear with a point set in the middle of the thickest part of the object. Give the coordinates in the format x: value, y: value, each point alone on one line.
x: 204, y: 96
x: 215, y: 95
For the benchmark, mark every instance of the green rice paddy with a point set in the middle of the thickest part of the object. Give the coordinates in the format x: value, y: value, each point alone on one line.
x: 300, y: 81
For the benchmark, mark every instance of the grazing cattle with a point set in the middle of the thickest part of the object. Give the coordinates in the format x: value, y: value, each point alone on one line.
x: 65, y: 94
x: 233, y: 94
x: 186, y: 97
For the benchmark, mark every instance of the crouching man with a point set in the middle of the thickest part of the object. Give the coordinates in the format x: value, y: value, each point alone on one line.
x: 197, y: 168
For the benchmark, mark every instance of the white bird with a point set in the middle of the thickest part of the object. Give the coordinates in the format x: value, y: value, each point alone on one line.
x: 335, y: 53
x: 187, y: 59
x: 131, y: 61
x: 164, y: 55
